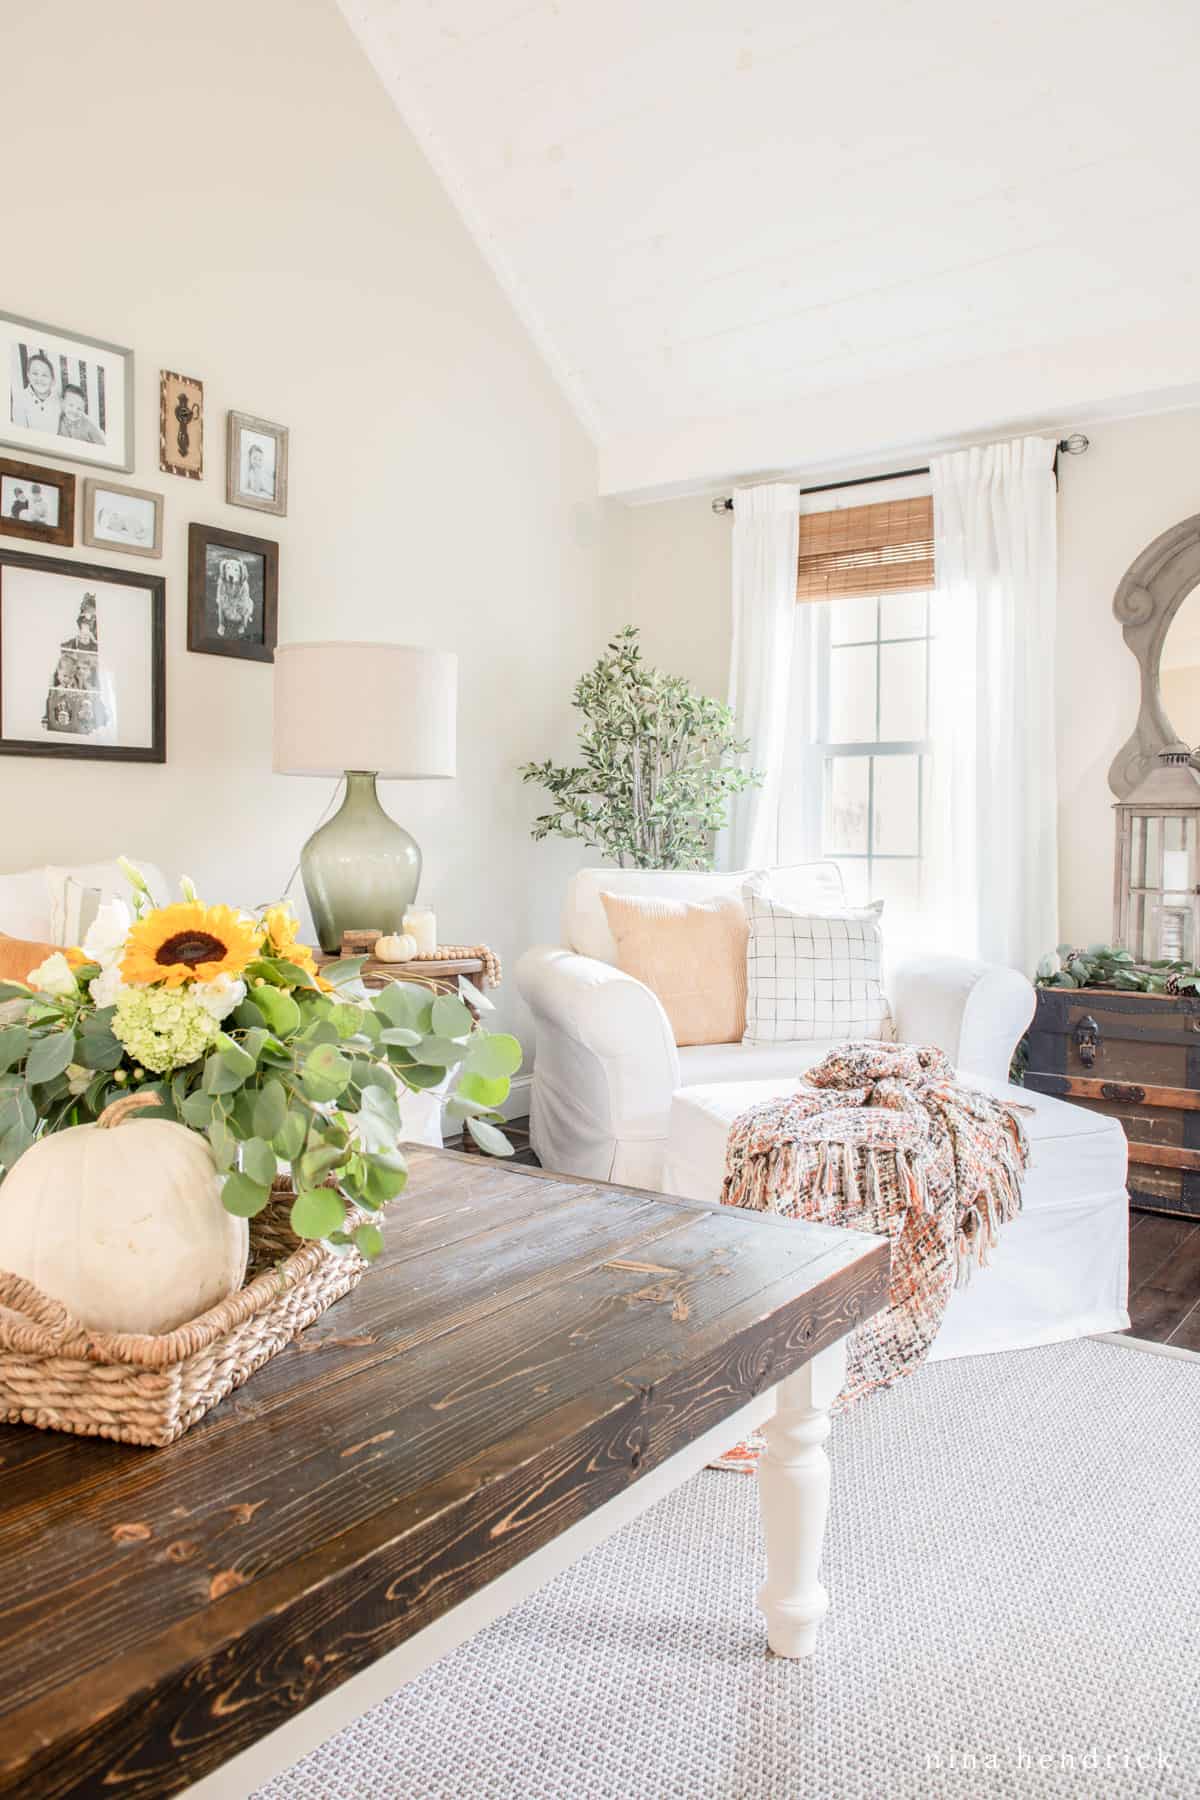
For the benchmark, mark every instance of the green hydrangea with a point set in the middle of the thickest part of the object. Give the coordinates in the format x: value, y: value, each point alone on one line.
x: 163, y: 1029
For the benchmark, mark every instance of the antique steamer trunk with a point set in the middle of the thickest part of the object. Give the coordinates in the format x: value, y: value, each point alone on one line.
x: 1136, y: 1057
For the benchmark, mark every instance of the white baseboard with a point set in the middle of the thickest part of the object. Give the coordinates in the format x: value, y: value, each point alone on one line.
x: 517, y: 1104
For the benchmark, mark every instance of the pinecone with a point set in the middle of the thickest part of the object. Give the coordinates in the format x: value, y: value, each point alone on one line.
x: 1172, y: 984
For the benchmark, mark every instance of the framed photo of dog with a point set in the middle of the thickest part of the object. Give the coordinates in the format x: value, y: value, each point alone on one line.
x: 233, y: 594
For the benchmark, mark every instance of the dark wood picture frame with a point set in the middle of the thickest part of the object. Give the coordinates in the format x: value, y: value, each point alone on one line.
x: 202, y: 538
x: 156, y: 587
x: 64, y: 531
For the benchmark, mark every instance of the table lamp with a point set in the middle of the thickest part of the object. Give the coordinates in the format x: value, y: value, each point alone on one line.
x: 363, y: 711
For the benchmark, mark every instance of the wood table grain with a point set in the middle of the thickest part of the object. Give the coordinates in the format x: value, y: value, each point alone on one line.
x: 532, y: 1355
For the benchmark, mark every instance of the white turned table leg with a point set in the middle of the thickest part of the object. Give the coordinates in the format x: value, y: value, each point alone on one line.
x: 793, y: 1486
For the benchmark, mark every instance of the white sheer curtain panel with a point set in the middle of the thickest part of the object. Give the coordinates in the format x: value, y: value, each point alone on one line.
x: 993, y: 812
x: 766, y: 544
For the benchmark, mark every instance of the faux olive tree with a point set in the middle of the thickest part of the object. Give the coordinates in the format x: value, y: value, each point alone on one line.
x: 657, y: 766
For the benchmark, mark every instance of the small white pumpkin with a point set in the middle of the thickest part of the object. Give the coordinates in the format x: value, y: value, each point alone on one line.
x: 398, y: 947
x: 122, y: 1222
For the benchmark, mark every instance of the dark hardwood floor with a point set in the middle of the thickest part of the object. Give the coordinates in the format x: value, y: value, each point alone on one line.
x: 1164, y: 1267
x: 1164, y: 1279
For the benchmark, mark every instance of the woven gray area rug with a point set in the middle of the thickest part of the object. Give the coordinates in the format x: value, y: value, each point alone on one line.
x: 1014, y: 1564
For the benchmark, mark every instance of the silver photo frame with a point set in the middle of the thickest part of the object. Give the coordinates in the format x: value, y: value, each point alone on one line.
x: 109, y: 525
x: 256, y: 464
x: 65, y: 394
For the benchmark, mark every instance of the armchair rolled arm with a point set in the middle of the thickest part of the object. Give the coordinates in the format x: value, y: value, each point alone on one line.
x: 605, y: 1059
x: 974, y: 1011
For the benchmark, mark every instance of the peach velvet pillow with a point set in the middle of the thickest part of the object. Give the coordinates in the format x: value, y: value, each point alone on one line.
x: 20, y: 956
x: 692, y: 954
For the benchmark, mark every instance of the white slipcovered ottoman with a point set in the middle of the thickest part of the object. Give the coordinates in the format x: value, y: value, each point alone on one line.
x: 1060, y: 1270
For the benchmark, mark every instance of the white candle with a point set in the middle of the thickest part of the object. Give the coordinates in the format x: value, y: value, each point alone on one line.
x: 420, y: 922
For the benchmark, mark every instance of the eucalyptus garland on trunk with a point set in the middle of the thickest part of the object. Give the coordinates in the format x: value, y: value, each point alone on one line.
x: 658, y: 765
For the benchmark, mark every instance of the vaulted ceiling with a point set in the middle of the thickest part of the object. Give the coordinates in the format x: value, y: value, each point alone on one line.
x: 725, y: 222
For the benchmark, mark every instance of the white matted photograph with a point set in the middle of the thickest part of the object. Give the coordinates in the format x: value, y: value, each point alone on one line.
x: 65, y: 394
x: 81, y: 660
x: 116, y: 517
x: 256, y: 459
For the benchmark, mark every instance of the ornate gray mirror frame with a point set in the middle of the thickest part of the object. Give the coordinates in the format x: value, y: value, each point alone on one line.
x: 1149, y: 595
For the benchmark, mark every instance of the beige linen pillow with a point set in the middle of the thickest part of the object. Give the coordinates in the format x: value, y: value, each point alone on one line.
x: 692, y: 954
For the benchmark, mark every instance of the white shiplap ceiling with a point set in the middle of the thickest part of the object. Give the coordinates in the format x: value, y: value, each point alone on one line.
x: 712, y: 215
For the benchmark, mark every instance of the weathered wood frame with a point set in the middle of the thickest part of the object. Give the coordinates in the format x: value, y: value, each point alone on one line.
x: 1148, y: 596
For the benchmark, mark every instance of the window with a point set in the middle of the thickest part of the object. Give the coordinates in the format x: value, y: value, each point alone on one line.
x: 859, y: 746
x: 872, y: 739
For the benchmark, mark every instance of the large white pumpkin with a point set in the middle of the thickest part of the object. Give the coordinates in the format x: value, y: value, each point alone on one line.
x: 122, y: 1222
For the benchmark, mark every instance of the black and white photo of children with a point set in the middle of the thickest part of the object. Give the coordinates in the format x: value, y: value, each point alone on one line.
x: 63, y: 396
x: 29, y: 502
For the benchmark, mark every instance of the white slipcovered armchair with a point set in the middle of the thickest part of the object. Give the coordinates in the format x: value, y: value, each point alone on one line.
x: 606, y: 1062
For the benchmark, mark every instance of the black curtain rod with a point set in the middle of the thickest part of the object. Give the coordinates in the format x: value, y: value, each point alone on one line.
x: 1075, y: 445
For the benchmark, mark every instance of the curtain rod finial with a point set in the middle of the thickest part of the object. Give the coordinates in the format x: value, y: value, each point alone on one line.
x: 1075, y: 445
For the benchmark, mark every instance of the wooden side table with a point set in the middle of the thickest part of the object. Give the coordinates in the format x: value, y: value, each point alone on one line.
x: 429, y: 971
x: 432, y: 972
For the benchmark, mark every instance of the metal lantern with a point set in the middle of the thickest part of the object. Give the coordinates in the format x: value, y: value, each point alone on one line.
x: 1156, y: 897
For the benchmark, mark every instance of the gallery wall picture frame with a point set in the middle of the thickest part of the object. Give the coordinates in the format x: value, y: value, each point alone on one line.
x: 65, y: 394
x: 82, y: 660
x: 116, y: 517
x: 35, y: 503
x: 233, y: 594
x: 256, y: 463
x: 180, y: 425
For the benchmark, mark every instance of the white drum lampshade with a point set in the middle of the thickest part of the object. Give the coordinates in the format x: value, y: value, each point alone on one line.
x: 363, y: 710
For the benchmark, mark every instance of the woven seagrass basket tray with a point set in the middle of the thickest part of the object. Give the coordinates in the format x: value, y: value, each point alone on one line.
x: 59, y: 1376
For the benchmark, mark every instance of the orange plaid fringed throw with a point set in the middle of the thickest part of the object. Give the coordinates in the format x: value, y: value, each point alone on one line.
x: 882, y: 1138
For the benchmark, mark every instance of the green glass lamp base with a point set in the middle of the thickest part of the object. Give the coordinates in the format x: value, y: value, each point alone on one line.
x: 361, y: 870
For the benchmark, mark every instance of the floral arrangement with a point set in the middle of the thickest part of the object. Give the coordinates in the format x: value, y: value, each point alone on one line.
x: 1105, y: 965
x: 657, y: 765
x: 225, y: 1019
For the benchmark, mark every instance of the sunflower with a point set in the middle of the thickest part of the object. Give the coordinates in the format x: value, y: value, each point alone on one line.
x: 281, y: 925
x: 189, y: 942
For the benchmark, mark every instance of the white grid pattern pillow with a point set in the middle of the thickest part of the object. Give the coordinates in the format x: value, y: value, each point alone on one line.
x: 813, y: 976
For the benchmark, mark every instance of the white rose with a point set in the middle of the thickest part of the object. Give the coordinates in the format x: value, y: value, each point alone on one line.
x: 54, y: 977
x: 219, y: 996
x: 107, y: 985
x: 105, y: 940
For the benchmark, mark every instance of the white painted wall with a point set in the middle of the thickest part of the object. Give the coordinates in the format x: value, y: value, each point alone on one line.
x: 1139, y: 476
x: 227, y: 188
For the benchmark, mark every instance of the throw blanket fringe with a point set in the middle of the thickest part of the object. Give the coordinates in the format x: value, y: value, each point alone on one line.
x: 882, y: 1138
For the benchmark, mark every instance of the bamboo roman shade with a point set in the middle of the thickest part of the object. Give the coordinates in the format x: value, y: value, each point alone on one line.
x: 882, y: 549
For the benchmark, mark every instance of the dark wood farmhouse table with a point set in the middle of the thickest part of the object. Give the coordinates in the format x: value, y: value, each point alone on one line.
x: 534, y: 1361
